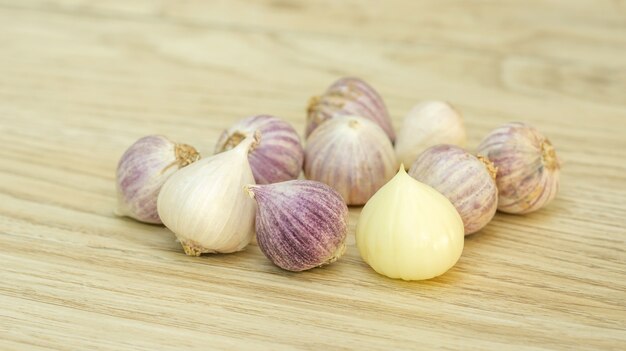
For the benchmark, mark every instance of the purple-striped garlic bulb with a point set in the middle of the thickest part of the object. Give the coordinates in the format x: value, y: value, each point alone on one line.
x: 528, y: 168
x: 300, y: 224
x: 353, y: 155
x: 468, y: 181
x: 349, y: 96
x: 427, y: 124
x: 142, y: 171
x: 278, y: 155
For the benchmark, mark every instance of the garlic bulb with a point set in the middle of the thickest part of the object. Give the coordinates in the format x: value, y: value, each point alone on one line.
x: 408, y: 230
x: 528, y: 168
x: 427, y: 124
x: 349, y: 96
x: 300, y: 224
x: 466, y: 180
x: 278, y: 155
x: 203, y: 204
x: 351, y: 154
x: 142, y: 171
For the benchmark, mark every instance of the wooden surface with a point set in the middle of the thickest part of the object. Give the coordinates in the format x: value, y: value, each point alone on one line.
x: 81, y: 80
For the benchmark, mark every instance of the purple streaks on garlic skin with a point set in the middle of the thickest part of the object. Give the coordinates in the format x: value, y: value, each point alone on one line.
x: 300, y: 224
x: 528, y: 168
x: 349, y: 96
x: 467, y: 181
x: 142, y: 171
x: 277, y: 157
x: 351, y: 154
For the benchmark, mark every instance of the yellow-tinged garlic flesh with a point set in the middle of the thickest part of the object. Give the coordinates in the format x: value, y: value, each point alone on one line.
x: 427, y: 124
x: 205, y: 205
x: 408, y: 230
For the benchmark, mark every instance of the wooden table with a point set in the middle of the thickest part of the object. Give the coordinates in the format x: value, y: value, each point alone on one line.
x: 81, y: 80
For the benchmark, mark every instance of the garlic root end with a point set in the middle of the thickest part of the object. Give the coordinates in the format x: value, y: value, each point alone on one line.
x: 192, y: 248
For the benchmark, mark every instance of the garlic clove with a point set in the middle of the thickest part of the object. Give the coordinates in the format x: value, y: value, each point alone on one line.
x: 300, y: 224
x: 278, y: 155
x: 466, y: 180
x: 142, y: 171
x: 349, y: 96
x: 351, y: 154
x: 204, y: 206
x: 528, y: 168
x: 408, y: 230
x: 427, y: 124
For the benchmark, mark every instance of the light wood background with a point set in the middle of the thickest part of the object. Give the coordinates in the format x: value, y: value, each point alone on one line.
x: 81, y: 80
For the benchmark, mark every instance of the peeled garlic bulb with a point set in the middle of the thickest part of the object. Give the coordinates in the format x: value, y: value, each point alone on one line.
x: 528, y: 168
x: 300, y: 224
x: 427, y: 124
x: 408, y: 230
x: 351, y: 154
x: 349, y: 96
x: 142, y: 171
x: 204, y: 205
x: 277, y: 156
x: 466, y: 180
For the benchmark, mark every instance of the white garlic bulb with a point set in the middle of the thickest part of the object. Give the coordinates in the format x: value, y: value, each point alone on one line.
x: 206, y: 207
x: 427, y: 124
x: 408, y: 230
x: 352, y: 155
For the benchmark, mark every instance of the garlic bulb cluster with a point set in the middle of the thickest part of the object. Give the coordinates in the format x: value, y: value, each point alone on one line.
x: 410, y: 231
x: 349, y: 96
x: 300, y: 224
x: 427, y: 124
x: 277, y: 156
x: 351, y: 154
x: 528, y: 168
x: 204, y: 205
x: 142, y: 171
x: 466, y: 180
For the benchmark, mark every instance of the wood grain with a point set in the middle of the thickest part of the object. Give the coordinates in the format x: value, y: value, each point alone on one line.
x: 81, y: 80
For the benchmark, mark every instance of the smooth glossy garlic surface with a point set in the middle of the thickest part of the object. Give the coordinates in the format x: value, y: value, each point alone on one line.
x: 204, y: 205
x: 142, y: 171
x: 277, y: 156
x: 349, y: 96
x: 427, y: 124
x: 528, y: 167
x: 466, y: 180
x: 352, y: 155
x: 408, y: 230
x: 300, y: 224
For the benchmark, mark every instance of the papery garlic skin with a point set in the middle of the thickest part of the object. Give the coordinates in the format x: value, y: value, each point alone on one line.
x: 349, y: 96
x: 466, y: 180
x: 203, y: 204
x: 427, y: 124
x: 528, y: 168
x: 277, y: 156
x: 142, y: 171
x: 351, y: 154
x: 300, y: 224
x: 408, y: 230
